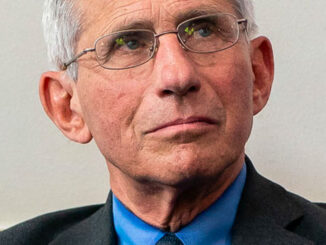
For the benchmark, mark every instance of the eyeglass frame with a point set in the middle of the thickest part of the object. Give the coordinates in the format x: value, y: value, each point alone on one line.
x: 154, y: 48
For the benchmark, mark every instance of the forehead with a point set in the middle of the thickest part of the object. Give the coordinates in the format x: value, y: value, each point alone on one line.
x: 104, y: 16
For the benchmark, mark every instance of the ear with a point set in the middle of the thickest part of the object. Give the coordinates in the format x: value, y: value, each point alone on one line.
x: 60, y: 101
x: 262, y: 60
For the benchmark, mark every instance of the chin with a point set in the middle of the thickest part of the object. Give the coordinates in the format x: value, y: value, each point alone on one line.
x: 191, y: 165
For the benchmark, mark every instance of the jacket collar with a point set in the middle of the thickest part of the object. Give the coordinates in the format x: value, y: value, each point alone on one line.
x: 98, y: 229
x: 264, y: 213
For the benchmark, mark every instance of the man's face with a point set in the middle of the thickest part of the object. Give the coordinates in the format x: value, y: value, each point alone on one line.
x: 179, y: 116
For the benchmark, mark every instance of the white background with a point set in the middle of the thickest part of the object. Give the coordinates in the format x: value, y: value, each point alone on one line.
x: 41, y: 171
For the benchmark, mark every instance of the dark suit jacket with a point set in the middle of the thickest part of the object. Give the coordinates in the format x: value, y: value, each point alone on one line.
x: 267, y: 215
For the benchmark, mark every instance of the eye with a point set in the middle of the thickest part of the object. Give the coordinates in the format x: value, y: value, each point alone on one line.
x: 128, y: 42
x: 199, y: 29
x: 204, y: 32
x: 133, y: 44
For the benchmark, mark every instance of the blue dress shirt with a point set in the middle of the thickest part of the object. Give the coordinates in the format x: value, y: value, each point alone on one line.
x: 211, y: 227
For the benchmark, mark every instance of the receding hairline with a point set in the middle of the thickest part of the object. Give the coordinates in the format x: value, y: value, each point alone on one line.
x: 65, y: 24
x: 203, y: 8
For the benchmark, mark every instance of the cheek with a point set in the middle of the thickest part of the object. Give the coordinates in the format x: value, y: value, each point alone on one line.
x: 109, y: 106
x: 238, y: 103
x: 232, y: 81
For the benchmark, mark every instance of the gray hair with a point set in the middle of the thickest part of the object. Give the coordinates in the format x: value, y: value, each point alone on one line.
x: 62, y: 27
x: 245, y: 9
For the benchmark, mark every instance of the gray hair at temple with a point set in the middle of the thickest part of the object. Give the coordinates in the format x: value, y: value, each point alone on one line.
x: 62, y: 27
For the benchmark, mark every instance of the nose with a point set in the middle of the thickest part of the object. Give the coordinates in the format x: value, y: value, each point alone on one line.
x: 174, y: 70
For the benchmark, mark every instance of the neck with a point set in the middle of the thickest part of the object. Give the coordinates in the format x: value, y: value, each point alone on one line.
x: 169, y: 208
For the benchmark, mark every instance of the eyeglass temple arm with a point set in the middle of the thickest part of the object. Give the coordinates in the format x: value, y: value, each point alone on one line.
x: 66, y: 64
x: 240, y: 21
x: 244, y: 22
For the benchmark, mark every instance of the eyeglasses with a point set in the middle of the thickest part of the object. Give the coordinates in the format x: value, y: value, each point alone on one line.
x: 130, y: 48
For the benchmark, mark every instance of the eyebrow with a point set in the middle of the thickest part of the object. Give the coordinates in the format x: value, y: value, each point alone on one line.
x: 182, y: 16
x: 178, y: 18
x: 139, y: 24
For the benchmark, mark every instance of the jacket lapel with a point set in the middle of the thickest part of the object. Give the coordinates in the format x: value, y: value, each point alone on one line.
x: 98, y: 229
x: 264, y: 214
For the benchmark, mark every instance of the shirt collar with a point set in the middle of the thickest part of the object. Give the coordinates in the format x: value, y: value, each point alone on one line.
x: 212, y: 226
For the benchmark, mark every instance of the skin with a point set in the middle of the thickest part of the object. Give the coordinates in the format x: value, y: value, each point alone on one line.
x: 167, y: 176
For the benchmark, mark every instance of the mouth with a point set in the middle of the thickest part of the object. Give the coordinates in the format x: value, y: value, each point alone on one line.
x: 185, y: 124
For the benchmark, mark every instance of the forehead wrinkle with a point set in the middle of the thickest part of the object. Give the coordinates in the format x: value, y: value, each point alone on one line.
x: 121, y: 19
x: 113, y: 15
x: 204, y: 7
x: 105, y: 13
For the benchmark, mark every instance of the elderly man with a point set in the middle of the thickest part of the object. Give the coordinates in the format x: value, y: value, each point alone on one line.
x: 168, y: 90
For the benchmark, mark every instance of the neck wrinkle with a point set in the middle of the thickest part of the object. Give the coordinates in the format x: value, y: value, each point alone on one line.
x: 170, y: 208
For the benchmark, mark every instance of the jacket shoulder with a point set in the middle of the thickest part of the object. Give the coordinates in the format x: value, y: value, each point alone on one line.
x: 269, y: 214
x: 323, y: 205
x: 45, y: 228
x: 312, y: 225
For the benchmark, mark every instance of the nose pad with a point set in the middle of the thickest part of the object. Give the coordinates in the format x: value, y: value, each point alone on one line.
x: 152, y: 49
x: 181, y: 42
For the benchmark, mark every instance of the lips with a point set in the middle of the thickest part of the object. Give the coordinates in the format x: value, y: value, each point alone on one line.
x: 180, y: 121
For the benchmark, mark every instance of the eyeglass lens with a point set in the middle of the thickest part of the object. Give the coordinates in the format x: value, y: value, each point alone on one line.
x: 125, y: 49
x: 131, y: 48
x: 209, y: 34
